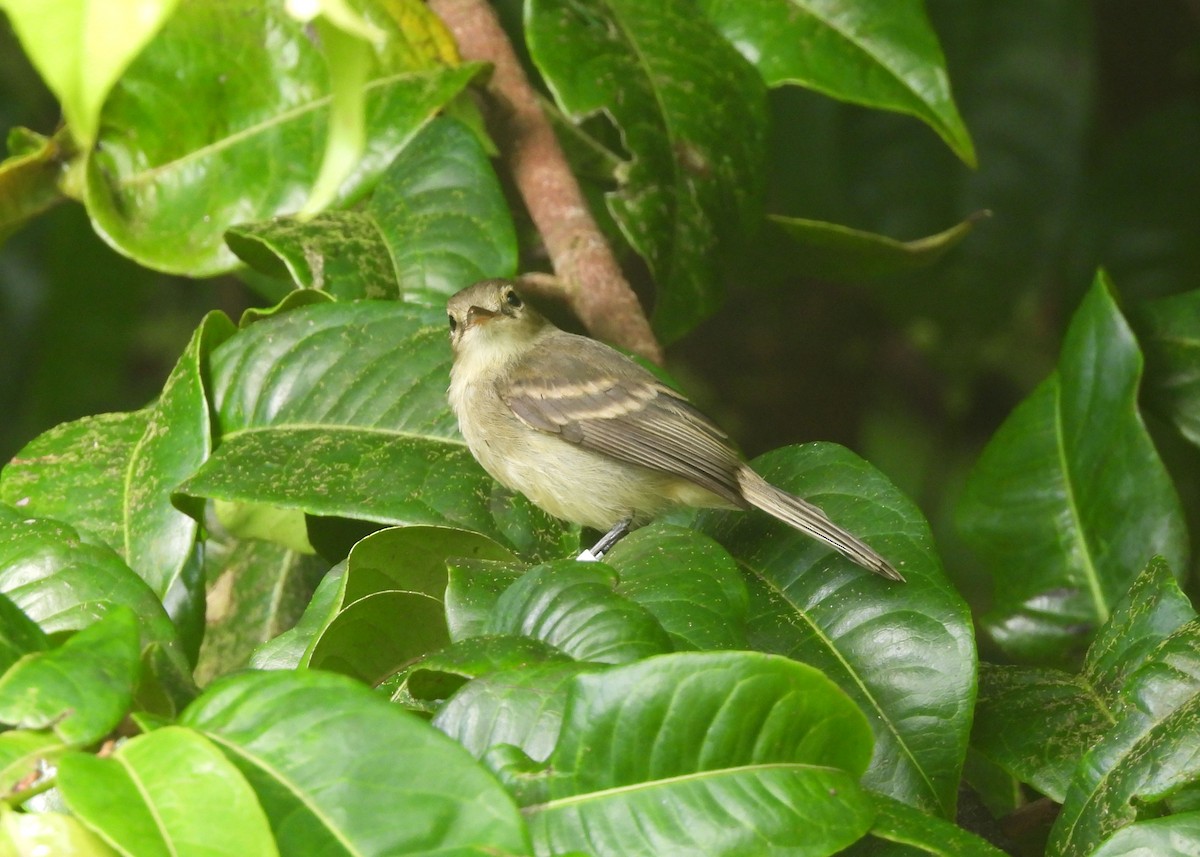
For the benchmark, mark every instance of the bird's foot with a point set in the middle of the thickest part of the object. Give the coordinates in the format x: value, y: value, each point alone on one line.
x: 597, y: 551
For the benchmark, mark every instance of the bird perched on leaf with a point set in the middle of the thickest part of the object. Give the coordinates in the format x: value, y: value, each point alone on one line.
x: 592, y: 437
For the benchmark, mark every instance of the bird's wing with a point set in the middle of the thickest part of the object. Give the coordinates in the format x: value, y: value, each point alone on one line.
x: 595, y: 397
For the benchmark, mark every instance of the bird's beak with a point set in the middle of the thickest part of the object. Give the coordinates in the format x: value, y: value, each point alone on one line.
x: 478, y: 315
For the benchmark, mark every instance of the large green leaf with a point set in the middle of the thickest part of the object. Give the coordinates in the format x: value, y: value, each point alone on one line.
x: 80, y: 690
x: 308, y: 422
x: 1174, y: 836
x: 692, y: 115
x: 1070, y: 500
x: 688, y: 583
x: 900, y: 823
x: 65, y: 580
x: 574, y: 607
x: 436, y: 222
x: 879, y: 53
x: 904, y: 652
x: 1038, y: 723
x: 1146, y: 757
x: 76, y: 472
x: 209, y: 128
x: 303, y: 739
x: 1170, y: 333
x: 82, y: 48
x: 678, y: 753
x: 154, y: 796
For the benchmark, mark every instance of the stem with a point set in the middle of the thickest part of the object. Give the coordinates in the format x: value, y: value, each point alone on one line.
x: 589, y: 277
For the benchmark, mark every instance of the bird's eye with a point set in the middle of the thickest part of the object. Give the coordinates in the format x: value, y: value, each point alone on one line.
x: 453, y: 324
x: 512, y: 299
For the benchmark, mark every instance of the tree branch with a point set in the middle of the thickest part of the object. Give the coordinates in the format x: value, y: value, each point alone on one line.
x: 589, y: 277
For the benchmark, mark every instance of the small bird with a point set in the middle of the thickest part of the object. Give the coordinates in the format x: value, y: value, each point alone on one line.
x: 594, y: 438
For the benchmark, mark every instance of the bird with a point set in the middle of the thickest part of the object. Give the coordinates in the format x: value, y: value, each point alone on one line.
x: 592, y: 437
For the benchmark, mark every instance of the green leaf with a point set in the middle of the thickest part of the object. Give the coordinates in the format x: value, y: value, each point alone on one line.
x: 19, y: 635
x: 80, y: 690
x: 64, y: 580
x: 1038, y: 723
x: 878, y: 53
x: 29, y: 182
x: 76, y: 472
x: 1146, y: 757
x: 29, y: 833
x: 340, y: 252
x: 903, y: 652
x: 573, y: 607
x: 898, y: 822
x: 247, y: 142
x: 416, y: 791
x: 436, y: 221
x: 161, y: 540
x: 21, y: 757
x: 692, y: 116
x: 292, y: 648
x: 152, y: 796
x: 1174, y: 836
x: 1170, y: 333
x: 307, y: 423
x: 834, y: 252
x: 257, y: 591
x: 1070, y: 499
x: 674, y: 753
x: 374, y: 636
x: 520, y: 707
x: 82, y: 49
x: 474, y: 588
x: 443, y: 215
x: 688, y: 583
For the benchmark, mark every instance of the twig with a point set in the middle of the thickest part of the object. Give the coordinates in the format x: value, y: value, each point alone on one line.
x: 591, y: 280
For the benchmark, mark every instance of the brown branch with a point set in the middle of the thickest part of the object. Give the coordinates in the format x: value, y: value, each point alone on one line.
x: 591, y: 281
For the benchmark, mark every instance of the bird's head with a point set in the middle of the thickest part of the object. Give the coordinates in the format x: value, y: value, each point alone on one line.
x: 492, y: 316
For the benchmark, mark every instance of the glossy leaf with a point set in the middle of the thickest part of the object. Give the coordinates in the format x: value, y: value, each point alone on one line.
x: 704, y: 738
x: 443, y: 216
x: 1038, y: 723
x: 692, y: 115
x: 1070, y: 499
x: 1173, y: 836
x: 82, y: 49
x: 279, y: 728
x: 19, y: 635
x: 207, y: 128
x: 573, y: 607
x: 436, y: 221
x: 688, y: 583
x: 80, y: 690
x: 521, y: 707
x: 76, y: 473
x: 879, y: 54
x: 903, y: 652
x: 307, y: 423
x: 23, y: 833
x: 900, y: 823
x: 153, y: 796
x: 65, y: 581
x: 1147, y: 756
x: 834, y: 252
x: 1170, y: 333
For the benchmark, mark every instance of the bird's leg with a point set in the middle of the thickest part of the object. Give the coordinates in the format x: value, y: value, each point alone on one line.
x: 600, y: 548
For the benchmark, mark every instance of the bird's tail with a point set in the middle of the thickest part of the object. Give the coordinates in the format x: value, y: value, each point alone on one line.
x: 810, y: 520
